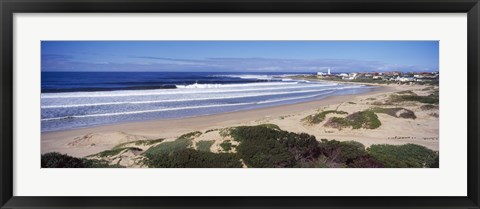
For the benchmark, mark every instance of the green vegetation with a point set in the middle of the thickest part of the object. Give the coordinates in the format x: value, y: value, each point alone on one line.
x: 378, y: 103
x: 433, y: 98
x: 204, y: 146
x: 148, y: 142
x: 352, y: 103
x: 116, y: 151
x: 371, y: 98
x: 166, y: 147
x: 260, y: 147
x: 405, y: 92
x: 404, y: 156
x: 57, y: 160
x: 429, y: 107
x: 364, y: 119
x: 182, y: 142
x: 224, y: 132
x: 266, y: 148
x: 338, y: 123
x: 190, y: 158
x: 177, y: 154
x: 140, y: 143
x: 226, y: 145
x: 320, y: 117
x: 342, y: 151
x: 190, y: 135
x: 270, y: 126
x: 210, y: 130
x: 396, y: 112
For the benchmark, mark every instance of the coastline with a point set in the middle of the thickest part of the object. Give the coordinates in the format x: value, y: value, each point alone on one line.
x: 86, y: 141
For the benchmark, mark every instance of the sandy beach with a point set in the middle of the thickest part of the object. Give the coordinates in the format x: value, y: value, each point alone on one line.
x: 422, y: 131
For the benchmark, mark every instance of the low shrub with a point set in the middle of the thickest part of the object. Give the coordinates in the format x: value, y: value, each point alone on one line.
x: 226, y: 145
x: 403, y: 156
x: 116, y: 151
x: 429, y: 107
x: 210, y: 130
x: 140, y: 143
x: 430, y: 99
x: 190, y: 158
x: 406, y: 92
x: 271, y: 126
x: 365, y: 161
x: 343, y: 152
x: 166, y: 147
x: 57, y: 160
x: 364, y: 119
x: 320, y: 117
x: 190, y: 135
x: 204, y: 146
x: 260, y: 147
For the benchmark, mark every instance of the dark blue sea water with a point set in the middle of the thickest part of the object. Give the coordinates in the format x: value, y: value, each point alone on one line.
x: 108, y: 81
x: 72, y: 100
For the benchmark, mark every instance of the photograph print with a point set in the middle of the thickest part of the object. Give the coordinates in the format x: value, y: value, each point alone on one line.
x: 240, y: 104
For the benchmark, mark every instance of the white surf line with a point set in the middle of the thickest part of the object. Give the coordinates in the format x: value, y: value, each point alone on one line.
x: 185, y: 100
x: 170, y: 92
x: 182, y: 108
x: 144, y: 111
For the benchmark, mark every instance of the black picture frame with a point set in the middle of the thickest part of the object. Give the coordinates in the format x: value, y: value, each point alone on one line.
x: 9, y: 7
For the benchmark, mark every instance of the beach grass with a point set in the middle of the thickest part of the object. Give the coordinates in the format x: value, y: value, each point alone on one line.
x: 190, y: 135
x: 320, y: 117
x: 271, y: 126
x: 140, y: 143
x: 364, y: 119
x: 429, y: 99
x: 167, y: 147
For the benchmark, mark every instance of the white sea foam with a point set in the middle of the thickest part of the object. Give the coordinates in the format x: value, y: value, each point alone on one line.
x: 145, y: 111
x: 184, y: 108
x: 192, y: 99
x: 233, y: 88
x: 196, y: 85
x: 293, y: 98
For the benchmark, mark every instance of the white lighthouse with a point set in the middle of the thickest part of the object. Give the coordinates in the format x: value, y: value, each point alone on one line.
x: 322, y: 73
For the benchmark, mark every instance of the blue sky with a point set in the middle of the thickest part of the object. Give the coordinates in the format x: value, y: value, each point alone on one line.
x: 239, y: 56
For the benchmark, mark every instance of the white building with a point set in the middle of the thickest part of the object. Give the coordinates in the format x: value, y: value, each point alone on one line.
x: 322, y: 73
x: 405, y: 79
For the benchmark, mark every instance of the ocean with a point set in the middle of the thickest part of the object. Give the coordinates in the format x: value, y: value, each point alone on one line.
x: 71, y: 100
